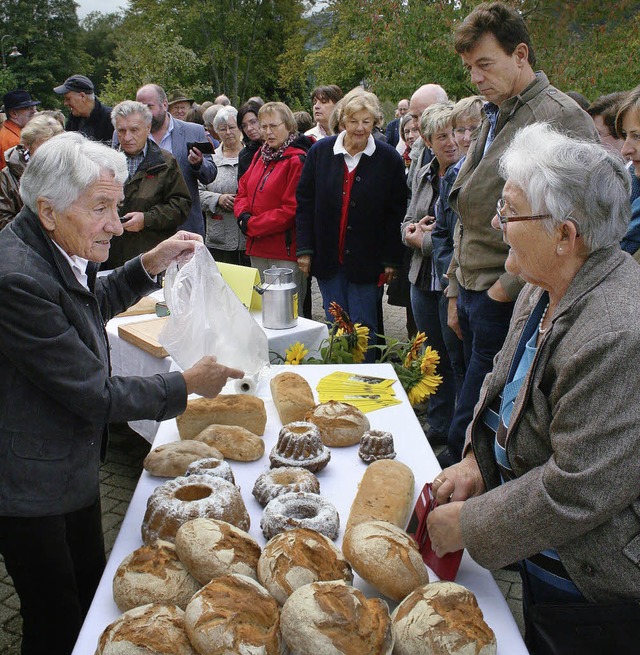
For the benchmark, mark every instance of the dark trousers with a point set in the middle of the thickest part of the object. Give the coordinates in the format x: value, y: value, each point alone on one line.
x: 426, y: 307
x: 484, y: 324
x: 56, y: 563
x: 237, y: 257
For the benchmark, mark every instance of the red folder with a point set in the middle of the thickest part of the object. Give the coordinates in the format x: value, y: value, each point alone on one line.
x: 446, y: 567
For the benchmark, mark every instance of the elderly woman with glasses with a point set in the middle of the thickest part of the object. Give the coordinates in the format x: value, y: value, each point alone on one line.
x: 550, y: 471
x: 266, y: 202
x: 57, y: 395
x: 223, y: 236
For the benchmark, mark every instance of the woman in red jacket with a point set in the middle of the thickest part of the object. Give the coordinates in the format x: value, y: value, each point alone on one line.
x: 266, y: 202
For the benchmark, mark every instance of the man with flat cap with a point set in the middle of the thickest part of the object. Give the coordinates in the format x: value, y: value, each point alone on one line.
x: 88, y: 115
x: 19, y: 108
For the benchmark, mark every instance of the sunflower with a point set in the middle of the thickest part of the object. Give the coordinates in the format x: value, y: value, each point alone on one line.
x: 342, y: 320
x: 357, y: 340
x: 423, y: 388
x: 429, y: 361
x: 414, y: 350
x: 295, y: 353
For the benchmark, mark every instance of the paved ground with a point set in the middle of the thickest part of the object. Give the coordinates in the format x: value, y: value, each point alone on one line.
x: 119, y: 476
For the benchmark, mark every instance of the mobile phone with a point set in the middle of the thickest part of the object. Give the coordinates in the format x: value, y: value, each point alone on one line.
x: 124, y: 220
x: 205, y: 147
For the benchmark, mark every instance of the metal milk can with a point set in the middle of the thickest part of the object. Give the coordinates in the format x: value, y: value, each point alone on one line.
x: 279, y: 299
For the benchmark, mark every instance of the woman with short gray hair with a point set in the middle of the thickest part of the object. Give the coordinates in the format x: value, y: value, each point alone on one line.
x: 38, y: 130
x: 223, y: 236
x: 549, y: 476
x: 57, y: 396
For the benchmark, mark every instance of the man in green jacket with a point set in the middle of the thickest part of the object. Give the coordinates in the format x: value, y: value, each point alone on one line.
x: 156, y: 197
x: 495, y: 47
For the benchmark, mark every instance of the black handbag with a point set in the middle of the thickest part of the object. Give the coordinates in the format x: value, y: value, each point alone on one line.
x: 585, y: 629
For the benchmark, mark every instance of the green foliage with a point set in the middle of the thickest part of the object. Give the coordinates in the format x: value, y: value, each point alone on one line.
x: 47, y: 34
x: 98, y: 39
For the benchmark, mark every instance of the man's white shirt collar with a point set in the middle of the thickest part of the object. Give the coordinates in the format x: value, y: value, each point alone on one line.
x: 78, y: 266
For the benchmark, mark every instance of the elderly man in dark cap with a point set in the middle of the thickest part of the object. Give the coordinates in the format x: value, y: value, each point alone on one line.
x: 19, y: 108
x: 88, y: 115
x: 179, y: 105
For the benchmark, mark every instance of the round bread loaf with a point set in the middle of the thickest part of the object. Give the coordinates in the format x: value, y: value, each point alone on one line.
x: 442, y: 617
x: 199, y: 496
x: 386, y: 557
x: 153, y: 574
x: 148, y: 630
x: 234, y: 614
x: 300, y: 510
x: 211, y: 466
x: 284, y: 480
x: 171, y: 460
x: 210, y: 549
x: 331, y: 618
x: 298, y: 557
x: 340, y: 424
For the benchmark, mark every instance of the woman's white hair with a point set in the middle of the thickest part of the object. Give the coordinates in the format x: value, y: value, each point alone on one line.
x: 224, y: 115
x: 65, y: 166
x: 571, y: 180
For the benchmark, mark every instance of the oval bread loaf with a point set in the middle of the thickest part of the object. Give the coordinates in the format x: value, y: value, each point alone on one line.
x: 385, y: 493
x: 292, y: 396
x: 340, y: 424
x: 154, y: 628
x: 210, y: 549
x: 171, y: 460
x: 386, y: 557
x: 229, y: 409
x: 331, y: 618
x: 442, y: 617
x: 153, y: 574
x: 234, y: 614
x: 233, y: 441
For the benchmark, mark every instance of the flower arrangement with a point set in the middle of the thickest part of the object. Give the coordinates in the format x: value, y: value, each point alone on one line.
x: 414, y: 362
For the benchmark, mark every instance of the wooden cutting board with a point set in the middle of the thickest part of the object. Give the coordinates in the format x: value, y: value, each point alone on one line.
x: 146, y: 305
x: 145, y: 335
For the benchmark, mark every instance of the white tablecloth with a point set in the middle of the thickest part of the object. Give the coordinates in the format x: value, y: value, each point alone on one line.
x: 338, y: 483
x: 127, y: 359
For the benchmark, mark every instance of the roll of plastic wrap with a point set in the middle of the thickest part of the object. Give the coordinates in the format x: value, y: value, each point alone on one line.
x: 247, y: 385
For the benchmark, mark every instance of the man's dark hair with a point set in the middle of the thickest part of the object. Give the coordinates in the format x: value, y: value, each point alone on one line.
x: 329, y: 93
x: 504, y: 22
x: 583, y: 101
x: 607, y: 107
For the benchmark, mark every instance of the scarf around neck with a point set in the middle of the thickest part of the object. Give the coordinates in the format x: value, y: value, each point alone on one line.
x: 270, y: 154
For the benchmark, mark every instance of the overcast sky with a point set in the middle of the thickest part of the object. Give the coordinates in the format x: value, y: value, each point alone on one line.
x: 104, y: 6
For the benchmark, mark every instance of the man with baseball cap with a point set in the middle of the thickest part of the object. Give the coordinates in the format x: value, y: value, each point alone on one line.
x: 19, y: 108
x: 88, y: 115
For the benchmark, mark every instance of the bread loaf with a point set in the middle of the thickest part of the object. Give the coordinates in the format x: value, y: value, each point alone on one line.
x: 210, y: 549
x: 298, y: 557
x: 442, y: 617
x: 233, y: 441
x: 171, y: 460
x: 340, y: 424
x: 234, y: 615
x: 386, y: 557
x: 153, y: 574
x: 229, y: 409
x: 148, y: 630
x: 331, y: 618
x: 292, y: 397
x: 385, y: 493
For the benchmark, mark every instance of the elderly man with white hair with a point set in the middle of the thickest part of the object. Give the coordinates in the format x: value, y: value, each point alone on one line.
x: 57, y: 395
x: 156, y: 197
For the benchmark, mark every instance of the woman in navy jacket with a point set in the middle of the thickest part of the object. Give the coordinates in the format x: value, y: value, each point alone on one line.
x: 351, y: 200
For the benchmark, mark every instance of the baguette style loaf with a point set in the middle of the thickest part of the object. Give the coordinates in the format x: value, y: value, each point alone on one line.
x: 292, y: 396
x: 230, y: 409
x: 385, y: 493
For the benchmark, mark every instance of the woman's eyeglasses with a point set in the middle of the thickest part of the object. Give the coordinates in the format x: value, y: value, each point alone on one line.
x: 500, y: 207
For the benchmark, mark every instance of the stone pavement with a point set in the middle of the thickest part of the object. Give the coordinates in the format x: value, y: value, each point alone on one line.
x: 119, y: 476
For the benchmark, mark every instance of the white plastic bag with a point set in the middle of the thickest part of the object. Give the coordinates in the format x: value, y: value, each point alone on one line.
x: 207, y: 318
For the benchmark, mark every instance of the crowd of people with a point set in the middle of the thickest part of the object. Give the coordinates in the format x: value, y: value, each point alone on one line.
x: 506, y: 223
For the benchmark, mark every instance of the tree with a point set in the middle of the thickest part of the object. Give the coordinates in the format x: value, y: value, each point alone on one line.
x: 98, y: 39
x: 47, y: 34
